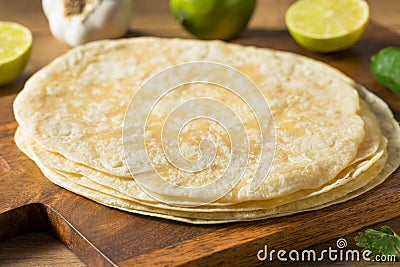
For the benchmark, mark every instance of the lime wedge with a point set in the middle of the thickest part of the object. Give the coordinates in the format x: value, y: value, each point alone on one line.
x: 15, y: 48
x: 327, y: 25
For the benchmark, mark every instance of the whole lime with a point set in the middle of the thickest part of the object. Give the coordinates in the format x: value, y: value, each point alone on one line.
x: 213, y: 19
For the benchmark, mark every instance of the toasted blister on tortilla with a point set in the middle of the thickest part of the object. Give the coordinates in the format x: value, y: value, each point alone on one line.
x: 333, y: 139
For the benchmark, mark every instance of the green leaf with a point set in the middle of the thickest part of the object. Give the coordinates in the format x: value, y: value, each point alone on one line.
x: 385, y: 242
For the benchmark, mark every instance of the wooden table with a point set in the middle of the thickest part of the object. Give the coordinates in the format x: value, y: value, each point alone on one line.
x: 40, y: 249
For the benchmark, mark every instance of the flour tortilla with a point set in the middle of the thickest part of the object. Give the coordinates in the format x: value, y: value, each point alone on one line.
x: 302, y: 94
x: 356, y: 180
x: 127, y: 189
x: 75, y: 106
x: 210, y: 217
x: 221, y: 217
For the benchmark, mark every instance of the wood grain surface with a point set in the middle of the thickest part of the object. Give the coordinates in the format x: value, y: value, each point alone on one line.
x: 102, y: 236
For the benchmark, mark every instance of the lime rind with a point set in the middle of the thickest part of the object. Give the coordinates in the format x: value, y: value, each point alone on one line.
x: 213, y: 19
x: 326, y: 45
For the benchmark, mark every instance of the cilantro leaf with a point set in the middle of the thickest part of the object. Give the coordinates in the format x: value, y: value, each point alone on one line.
x: 385, y: 242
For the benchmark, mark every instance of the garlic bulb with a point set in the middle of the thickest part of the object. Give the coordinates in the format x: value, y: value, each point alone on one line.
x: 80, y: 21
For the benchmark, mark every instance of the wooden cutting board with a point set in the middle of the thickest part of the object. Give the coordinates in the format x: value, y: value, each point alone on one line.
x: 104, y: 236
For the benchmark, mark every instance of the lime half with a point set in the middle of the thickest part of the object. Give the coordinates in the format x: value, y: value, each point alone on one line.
x: 15, y: 49
x: 327, y: 25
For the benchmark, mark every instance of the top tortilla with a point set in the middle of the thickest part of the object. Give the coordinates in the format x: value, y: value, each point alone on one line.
x: 75, y: 107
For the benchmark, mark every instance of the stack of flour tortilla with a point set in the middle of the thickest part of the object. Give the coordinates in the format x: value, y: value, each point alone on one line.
x: 334, y: 140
